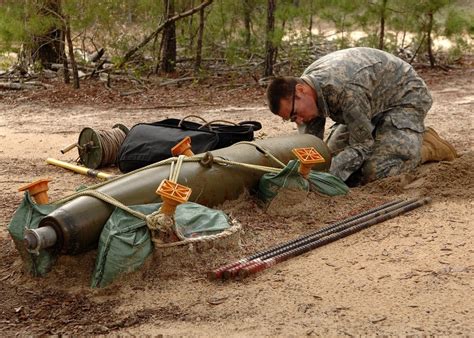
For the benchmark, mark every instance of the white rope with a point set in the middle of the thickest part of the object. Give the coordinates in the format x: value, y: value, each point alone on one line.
x: 223, y: 161
x: 157, y: 222
x: 100, y: 184
x: 172, y: 161
x: 170, y: 177
x: 265, y: 151
x: 177, y: 169
x: 235, y: 227
x: 112, y: 201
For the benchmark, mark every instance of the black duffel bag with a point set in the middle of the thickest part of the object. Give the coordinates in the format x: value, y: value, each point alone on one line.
x: 148, y: 143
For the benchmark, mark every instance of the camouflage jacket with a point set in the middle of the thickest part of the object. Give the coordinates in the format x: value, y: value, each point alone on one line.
x: 356, y: 86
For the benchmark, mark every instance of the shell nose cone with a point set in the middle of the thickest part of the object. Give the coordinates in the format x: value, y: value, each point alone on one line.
x: 41, y: 238
x: 30, y: 240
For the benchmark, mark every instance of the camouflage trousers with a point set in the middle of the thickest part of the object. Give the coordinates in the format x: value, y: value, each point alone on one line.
x: 395, y: 150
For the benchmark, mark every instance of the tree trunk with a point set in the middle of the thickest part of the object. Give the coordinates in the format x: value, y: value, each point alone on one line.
x: 151, y: 36
x: 47, y: 48
x: 247, y: 23
x: 72, y: 60
x: 168, y: 56
x: 191, y: 30
x: 418, y: 49
x: 66, y: 74
x: 429, y: 39
x: 382, y: 24
x: 197, y: 63
x: 270, y: 49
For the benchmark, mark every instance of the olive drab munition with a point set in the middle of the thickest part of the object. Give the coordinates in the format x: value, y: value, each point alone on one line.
x: 75, y: 226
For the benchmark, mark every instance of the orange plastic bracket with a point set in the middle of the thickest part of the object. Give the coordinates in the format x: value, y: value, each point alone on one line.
x: 183, y: 147
x: 172, y: 195
x: 38, y: 190
x: 308, y: 157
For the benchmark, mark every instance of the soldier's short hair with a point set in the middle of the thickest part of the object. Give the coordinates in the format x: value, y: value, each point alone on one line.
x: 281, y: 87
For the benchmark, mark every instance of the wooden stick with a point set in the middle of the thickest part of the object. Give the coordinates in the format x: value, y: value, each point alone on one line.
x: 79, y: 169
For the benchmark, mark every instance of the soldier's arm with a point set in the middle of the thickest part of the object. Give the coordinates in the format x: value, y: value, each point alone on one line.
x: 355, y: 107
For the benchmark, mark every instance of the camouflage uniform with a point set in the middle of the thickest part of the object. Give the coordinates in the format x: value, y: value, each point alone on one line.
x: 378, y: 103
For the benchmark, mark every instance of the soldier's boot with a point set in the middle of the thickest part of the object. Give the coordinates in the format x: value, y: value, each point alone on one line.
x: 434, y: 148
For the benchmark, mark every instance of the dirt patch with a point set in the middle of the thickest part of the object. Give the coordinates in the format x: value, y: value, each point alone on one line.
x: 409, y: 275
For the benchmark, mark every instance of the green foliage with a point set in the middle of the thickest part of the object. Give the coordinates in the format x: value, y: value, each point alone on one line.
x: 12, y: 26
x: 371, y: 40
x: 460, y: 47
x: 458, y: 23
x: 458, y: 26
x: 119, y: 25
x: 22, y: 21
x: 342, y: 13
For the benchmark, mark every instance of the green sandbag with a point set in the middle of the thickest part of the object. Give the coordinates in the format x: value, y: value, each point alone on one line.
x: 194, y: 220
x: 124, y: 245
x: 125, y: 242
x: 290, y: 178
x: 27, y: 216
x: 327, y: 184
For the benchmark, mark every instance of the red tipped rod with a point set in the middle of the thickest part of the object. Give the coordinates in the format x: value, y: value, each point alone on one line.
x: 222, y: 271
x: 266, y: 258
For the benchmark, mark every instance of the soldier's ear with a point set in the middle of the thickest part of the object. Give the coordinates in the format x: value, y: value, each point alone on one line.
x: 305, y: 89
x: 300, y: 88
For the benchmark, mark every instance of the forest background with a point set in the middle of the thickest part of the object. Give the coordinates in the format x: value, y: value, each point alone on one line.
x: 190, y: 40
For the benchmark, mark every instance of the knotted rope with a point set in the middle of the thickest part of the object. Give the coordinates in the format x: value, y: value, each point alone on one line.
x: 153, y: 220
x: 161, y: 225
x: 150, y: 221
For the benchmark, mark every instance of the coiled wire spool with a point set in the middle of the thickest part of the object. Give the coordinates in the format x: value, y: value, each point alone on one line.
x: 100, y: 148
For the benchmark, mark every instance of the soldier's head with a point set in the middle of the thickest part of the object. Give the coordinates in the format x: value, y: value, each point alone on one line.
x: 292, y: 99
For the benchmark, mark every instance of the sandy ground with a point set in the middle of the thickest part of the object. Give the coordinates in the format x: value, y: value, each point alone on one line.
x: 412, y: 275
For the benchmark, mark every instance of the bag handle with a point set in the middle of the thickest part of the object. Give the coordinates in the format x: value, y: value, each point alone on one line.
x: 254, y: 124
x: 209, y: 124
x: 196, y: 116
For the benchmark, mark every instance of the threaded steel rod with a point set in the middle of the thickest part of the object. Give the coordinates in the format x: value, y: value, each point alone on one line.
x: 234, y: 271
x: 260, y: 265
x: 219, y: 273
